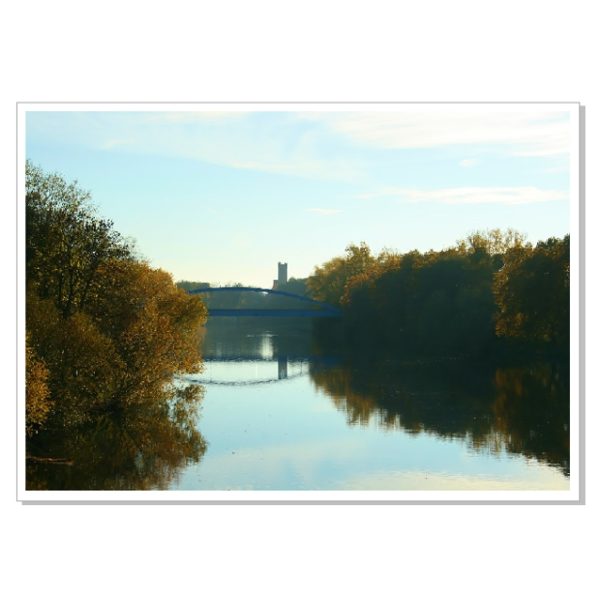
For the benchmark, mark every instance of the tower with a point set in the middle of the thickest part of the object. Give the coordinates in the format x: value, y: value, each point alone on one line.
x: 281, y: 273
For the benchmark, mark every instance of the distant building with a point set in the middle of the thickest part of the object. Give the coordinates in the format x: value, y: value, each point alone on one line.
x: 282, y: 272
x: 282, y: 275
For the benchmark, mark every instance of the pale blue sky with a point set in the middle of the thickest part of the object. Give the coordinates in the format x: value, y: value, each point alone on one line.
x: 223, y: 196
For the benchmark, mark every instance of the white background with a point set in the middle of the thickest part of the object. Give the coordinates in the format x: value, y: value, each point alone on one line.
x: 267, y: 50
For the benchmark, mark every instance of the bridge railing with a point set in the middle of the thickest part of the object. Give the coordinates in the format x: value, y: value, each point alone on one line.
x: 324, y: 309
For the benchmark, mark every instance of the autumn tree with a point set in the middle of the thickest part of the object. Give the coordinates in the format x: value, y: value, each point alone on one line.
x: 329, y: 281
x: 155, y: 326
x: 37, y: 397
x: 454, y: 301
x: 66, y: 243
x: 105, y: 330
x: 492, y: 242
x: 532, y: 293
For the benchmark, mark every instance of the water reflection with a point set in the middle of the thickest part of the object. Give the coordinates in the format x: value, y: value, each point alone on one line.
x: 235, y: 373
x: 252, y: 339
x: 140, y: 447
x: 522, y: 410
x: 280, y: 414
x: 282, y: 367
x: 293, y: 417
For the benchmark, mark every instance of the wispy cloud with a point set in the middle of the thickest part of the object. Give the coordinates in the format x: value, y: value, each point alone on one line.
x: 521, y: 133
x: 325, y: 212
x: 325, y: 146
x: 470, y: 195
x: 240, y: 140
x: 467, y: 163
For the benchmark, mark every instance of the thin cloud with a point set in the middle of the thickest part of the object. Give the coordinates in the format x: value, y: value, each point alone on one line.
x: 325, y: 212
x: 467, y: 163
x: 470, y: 195
x: 244, y: 143
x: 521, y: 133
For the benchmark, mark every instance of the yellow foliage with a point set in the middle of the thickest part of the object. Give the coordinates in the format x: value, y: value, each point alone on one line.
x: 82, y: 362
x: 125, y: 349
x: 37, y: 394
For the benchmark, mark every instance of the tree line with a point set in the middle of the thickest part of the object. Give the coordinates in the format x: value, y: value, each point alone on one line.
x: 490, y: 289
x: 105, y: 332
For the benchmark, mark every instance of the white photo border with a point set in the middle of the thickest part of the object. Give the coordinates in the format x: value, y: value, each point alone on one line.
x: 574, y: 495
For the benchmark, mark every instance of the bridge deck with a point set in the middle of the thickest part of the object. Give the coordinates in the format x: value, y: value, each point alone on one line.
x: 269, y: 312
x: 324, y: 309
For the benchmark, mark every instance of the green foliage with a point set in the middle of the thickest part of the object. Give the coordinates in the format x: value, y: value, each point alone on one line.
x: 106, y: 332
x: 440, y: 302
x: 454, y: 301
x: 532, y: 293
x: 493, y: 242
x: 66, y: 243
x: 294, y: 285
x: 188, y: 286
x: 329, y: 282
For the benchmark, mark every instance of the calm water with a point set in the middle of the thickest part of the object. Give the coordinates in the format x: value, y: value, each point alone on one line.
x: 273, y: 411
x: 279, y: 415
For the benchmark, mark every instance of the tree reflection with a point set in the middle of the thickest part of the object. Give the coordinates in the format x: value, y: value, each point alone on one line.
x: 531, y: 409
x: 522, y: 410
x: 136, y: 447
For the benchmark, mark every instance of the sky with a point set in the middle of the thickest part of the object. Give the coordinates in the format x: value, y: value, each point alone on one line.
x: 224, y: 195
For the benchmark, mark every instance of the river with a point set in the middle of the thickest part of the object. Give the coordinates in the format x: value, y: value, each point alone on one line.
x: 279, y: 414
x: 273, y: 410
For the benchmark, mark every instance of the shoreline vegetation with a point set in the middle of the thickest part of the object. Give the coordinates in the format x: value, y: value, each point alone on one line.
x: 492, y: 295
x: 106, y: 333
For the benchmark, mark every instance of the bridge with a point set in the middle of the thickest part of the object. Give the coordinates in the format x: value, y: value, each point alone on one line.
x: 282, y: 373
x: 230, y: 383
x: 322, y: 309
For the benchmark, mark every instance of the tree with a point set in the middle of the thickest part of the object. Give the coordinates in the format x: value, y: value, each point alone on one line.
x: 66, y: 243
x: 188, y: 286
x: 155, y: 326
x: 37, y: 394
x: 104, y: 329
x: 438, y: 302
x: 83, y: 364
x: 492, y: 242
x: 329, y: 281
x: 532, y: 293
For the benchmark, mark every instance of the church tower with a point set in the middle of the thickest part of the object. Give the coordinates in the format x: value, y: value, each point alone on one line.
x: 281, y: 275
